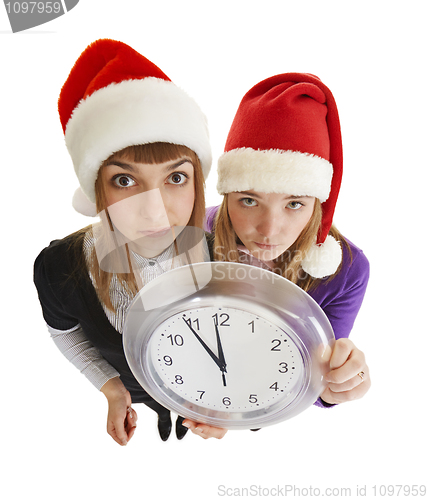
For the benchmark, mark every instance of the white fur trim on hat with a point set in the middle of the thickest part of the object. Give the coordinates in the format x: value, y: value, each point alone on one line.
x: 274, y: 171
x: 82, y: 204
x: 133, y: 112
x: 324, y: 259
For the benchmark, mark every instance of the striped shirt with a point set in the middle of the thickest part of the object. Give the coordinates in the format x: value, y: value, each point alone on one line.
x: 74, y: 344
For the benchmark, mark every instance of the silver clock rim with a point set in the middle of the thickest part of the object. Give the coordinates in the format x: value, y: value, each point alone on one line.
x: 315, y: 331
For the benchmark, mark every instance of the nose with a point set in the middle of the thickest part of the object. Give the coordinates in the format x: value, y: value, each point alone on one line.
x: 151, y: 207
x: 268, y: 224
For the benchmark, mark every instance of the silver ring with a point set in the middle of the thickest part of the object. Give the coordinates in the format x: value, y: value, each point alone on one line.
x: 129, y: 409
x: 361, y: 375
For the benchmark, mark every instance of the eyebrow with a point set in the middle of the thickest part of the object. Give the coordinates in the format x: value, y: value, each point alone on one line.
x: 178, y: 163
x: 254, y: 195
x: 120, y: 164
x: 130, y: 168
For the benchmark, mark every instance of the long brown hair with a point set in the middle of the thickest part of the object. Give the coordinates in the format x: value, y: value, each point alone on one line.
x: 288, y: 264
x: 157, y: 152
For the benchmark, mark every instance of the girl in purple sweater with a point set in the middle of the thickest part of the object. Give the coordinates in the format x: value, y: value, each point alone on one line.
x: 280, y: 176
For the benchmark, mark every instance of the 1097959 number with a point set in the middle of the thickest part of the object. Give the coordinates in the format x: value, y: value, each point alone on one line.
x: 394, y: 490
x: 33, y: 7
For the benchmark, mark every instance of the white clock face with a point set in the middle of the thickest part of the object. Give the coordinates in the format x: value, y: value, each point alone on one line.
x: 252, y: 364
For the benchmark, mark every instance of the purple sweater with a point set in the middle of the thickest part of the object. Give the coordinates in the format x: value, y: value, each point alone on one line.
x: 340, y: 298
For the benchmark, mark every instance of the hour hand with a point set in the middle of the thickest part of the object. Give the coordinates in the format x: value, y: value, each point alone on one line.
x: 219, y: 363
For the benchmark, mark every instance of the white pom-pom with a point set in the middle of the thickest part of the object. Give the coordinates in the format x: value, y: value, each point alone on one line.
x: 82, y: 204
x: 324, y: 259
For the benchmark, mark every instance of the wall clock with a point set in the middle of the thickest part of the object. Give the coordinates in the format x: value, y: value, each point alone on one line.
x: 228, y: 344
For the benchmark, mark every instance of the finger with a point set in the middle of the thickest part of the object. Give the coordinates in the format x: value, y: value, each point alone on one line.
x: 346, y: 386
x: 189, y: 424
x: 341, y: 352
x: 120, y: 431
x: 119, y: 436
x: 351, y: 368
x: 199, y: 431
x: 357, y: 393
x: 203, y: 430
x: 131, y: 423
x: 131, y: 416
x: 111, y: 432
x: 219, y: 433
x: 131, y: 431
x: 207, y: 431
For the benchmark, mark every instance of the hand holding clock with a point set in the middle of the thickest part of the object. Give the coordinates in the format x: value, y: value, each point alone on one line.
x: 204, y: 431
x: 349, y: 378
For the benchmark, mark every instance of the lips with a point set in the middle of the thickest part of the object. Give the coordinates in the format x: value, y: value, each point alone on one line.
x: 266, y: 247
x: 155, y: 233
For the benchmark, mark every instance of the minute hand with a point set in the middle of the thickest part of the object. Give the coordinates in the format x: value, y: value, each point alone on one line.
x: 219, y: 346
x: 218, y: 362
x: 220, y: 353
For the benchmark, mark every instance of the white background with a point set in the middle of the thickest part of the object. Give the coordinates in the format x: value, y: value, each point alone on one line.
x: 372, y: 54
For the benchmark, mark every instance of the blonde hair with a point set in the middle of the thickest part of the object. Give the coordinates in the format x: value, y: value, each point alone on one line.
x: 288, y: 264
x: 152, y: 153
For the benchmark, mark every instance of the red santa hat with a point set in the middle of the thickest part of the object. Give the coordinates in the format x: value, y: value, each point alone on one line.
x: 114, y: 98
x: 285, y: 138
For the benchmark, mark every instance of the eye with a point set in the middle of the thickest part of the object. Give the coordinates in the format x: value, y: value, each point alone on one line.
x: 123, y: 181
x: 248, y: 202
x: 295, y: 205
x: 177, y: 178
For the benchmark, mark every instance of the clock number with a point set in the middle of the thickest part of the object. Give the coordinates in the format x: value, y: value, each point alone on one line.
x: 253, y: 398
x: 227, y: 402
x: 176, y: 340
x: 274, y: 386
x: 189, y: 322
x: 201, y: 394
x: 275, y: 347
x: 168, y: 360
x: 179, y: 379
x: 224, y: 322
x: 284, y: 367
x: 252, y: 326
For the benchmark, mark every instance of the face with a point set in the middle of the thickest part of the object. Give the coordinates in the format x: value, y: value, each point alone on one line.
x: 268, y: 223
x: 149, y: 203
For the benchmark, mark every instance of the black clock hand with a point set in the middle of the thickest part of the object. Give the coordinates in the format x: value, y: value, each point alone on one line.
x: 214, y: 357
x: 219, y: 346
x: 220, y: 353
